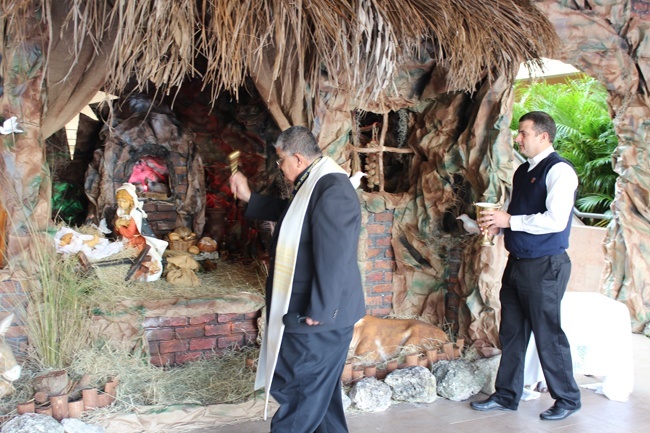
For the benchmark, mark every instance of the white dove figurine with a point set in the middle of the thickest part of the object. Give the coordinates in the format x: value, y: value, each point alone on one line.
x: 469, y: 224
x: 355, y: 179
x: 10, y: 125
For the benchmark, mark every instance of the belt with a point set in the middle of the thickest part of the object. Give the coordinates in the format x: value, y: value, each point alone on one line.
x: 523, y: 259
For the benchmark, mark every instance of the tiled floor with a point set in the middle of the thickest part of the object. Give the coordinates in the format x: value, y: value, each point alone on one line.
x: 598, y: 414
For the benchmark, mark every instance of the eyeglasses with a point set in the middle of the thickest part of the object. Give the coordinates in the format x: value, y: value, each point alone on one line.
x: 279, y: 161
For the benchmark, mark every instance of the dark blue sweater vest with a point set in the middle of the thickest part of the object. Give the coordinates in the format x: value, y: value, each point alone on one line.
x: 528, y: 198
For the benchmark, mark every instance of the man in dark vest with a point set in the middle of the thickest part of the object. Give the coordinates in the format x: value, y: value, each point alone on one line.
x: 536, y: 229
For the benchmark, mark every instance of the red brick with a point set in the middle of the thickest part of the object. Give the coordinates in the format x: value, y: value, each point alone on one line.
x: 253, y: 315
x: 384, y: 265
x: 161, y: 216
x: 10, y: 287
x: 375, y: 277
x: 173, y: 346
x: 190, y: 332
x: 232, y: 340
x: 153, y: 348
x: 384, y: 216
x: 374, y: 300
x: 166, y: 207
x: 382, y: 288
x: 232, y: 317
x: 149, y: 207
x: 163, y: 360
x: 166, y: 226
x: 383, y: 242
x: 251, y: 338
x: 244, y: 327
x: 389, y: 253
x: 184, y: 358
x: 203, y: 319
x: 375, y: 228
x: 203, y: 343
x: 223, y: 329
x: 158, y: 334
x: 379, y: 312
x: 374, y: 252
x: 388, y: 299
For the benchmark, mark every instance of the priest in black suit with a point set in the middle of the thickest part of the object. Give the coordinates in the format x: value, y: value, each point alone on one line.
x: 313, y: 292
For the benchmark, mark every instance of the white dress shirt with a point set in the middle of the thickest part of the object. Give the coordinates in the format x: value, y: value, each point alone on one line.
x: 561, y: 184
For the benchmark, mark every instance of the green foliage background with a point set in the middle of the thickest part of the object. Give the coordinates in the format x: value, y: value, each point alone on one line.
x: 585, y: 134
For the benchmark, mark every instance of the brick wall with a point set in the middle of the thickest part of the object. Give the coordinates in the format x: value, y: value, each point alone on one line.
x: 177, y: 340
x: 379, y: 263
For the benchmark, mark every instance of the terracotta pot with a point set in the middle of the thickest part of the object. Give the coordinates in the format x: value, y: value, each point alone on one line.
x: 75, y: 409
x: 392, y: 365
x: 111, y: 389
x: 346, y: 376
x: 357, y: 373
x: 45, y: 410
x: 432, y: 355
x: 59, y: 405
x: 103, y: 400
x: 412, y: 359
x: 26, y: 407
x: 89, y: 398
x: 370, y: 371
x: 448, y: 348
x: 423, y: 361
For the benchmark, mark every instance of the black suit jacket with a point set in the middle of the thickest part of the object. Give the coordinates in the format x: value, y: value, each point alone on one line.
x: 327, y: 282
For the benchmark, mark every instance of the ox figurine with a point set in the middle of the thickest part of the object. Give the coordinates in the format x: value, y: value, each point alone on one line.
x: 9, y: 368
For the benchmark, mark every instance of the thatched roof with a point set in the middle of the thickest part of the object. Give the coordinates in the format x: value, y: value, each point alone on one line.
x: 358, y: 44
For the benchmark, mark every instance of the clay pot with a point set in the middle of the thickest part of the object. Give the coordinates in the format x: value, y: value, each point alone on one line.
x: 423, y: 361
x: 432, y: 355
x: 45, y: 410
x: 370, y: 371
x: 59, y: 404
x: 412, y: 359
x: 103, y: 400
x: 357, y: 373
x: 448, y: 348
x: 75, y: 409
x: 392, y: 365
x: 346, y: 376
x: 111, y: 389
x: 26, y: 407
x: 89, y: 398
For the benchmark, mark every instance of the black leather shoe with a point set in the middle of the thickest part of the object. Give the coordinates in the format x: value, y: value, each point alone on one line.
x: 556, y: 413
x: 486, y: 405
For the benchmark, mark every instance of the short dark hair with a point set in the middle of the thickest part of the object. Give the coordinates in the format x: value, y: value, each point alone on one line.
x: 298, y: 139
x: 542, y: 122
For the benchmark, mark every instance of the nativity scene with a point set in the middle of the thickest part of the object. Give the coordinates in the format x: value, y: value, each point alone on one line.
x: 138, y: 226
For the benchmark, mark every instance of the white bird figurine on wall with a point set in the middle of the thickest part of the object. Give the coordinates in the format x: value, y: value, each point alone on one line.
x: 469, y: 224
x: 355, y: 179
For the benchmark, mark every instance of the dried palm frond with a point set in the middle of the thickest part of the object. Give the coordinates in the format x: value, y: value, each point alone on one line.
x: 356, y: 46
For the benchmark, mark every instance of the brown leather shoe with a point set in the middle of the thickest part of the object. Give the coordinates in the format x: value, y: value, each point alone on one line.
x: 557, y: 413
x: 486, y: 405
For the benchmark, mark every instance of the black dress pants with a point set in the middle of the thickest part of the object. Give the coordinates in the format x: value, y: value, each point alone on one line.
x: 307, y: 382
x: 531, y: 294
